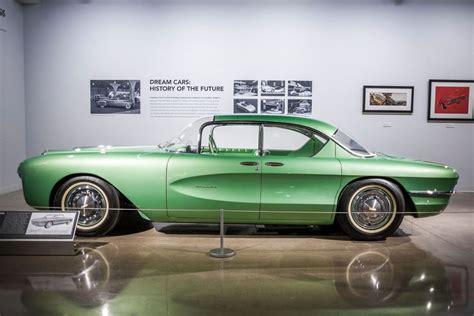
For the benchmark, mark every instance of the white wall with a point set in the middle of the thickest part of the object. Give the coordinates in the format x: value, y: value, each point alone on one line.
x: 12, y: 95
x: 340, y: 45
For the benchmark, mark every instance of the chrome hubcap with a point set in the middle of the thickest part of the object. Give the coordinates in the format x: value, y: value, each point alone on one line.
x: 90, y: 201
x: 372, y: 208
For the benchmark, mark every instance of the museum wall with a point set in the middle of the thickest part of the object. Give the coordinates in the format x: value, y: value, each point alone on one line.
x: 12, y: 95
x: 339, y: 45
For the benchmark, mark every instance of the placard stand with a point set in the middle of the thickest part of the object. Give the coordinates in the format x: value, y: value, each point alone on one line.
x: 221, y: 252
x: 42, y: 233
x: 37, y: 248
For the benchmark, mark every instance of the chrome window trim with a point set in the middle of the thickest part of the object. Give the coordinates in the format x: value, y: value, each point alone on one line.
x: 432, y: 193
x: 349, y: 150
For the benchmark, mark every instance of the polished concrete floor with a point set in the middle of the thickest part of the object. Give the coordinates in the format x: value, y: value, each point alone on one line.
x: 426, y: 268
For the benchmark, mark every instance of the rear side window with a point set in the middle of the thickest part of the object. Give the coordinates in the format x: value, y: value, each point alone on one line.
x: 286, y: 141
x: 351, y: 144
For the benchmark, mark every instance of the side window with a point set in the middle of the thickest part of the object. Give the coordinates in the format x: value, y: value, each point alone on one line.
x: 283, y: 141
x: 230, y: 138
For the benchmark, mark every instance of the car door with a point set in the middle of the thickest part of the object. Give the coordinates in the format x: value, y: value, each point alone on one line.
x: 224, y: 174
x: 300, y: 176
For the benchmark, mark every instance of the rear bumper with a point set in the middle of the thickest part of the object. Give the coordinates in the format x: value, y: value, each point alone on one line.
x: 432, y: 194
x: 430, y: 203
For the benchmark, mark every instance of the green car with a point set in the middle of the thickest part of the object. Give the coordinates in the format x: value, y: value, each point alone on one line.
x: 259, y: 169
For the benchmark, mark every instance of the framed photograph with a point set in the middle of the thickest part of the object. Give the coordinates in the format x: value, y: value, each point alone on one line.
x: 272, y: 106
x: 300, y: 106
x: 300, y: 88
x: 272, y: 87
x: 451, y: 100
x: 388, y: 99
x: 115, y: 96
x: 245, y: 88
x: 245, y: 106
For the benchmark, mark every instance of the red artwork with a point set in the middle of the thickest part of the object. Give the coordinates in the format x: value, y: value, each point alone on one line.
x: 453, y: 100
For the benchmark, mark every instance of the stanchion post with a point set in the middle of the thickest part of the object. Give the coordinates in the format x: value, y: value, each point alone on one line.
x: 221, y: 252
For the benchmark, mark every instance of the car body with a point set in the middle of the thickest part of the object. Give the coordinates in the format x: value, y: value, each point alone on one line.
x: 49, y: 220
x: 327, y: 177
x: 118, y: 100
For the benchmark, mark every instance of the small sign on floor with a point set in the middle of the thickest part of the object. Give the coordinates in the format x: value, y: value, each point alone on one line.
x: 37, y: 232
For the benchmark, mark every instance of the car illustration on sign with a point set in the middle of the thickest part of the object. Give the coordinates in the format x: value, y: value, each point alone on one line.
x: 260, y: 169
x: 49, y: 220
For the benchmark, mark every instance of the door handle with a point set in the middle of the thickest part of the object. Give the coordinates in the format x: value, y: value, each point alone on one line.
x: 249, y: 163
x: 274, y: 164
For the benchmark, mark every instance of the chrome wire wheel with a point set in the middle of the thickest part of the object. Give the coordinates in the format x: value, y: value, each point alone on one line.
x: 372, y: 209
x: 91, y: 202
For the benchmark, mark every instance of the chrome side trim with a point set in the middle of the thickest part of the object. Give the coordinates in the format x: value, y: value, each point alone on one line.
x: 432, y: 193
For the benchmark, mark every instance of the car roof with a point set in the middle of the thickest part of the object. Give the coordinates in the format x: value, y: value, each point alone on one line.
x: 321, y: 126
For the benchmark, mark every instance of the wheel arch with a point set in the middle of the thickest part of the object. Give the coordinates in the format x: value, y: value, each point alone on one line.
x: 123, y: 199
x: 410, y: 208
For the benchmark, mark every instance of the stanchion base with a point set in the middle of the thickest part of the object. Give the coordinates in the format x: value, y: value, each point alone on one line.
x: 221, y: 253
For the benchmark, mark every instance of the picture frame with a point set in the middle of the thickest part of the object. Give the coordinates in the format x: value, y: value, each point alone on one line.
x: 451, y: 100
x: 388, y: 99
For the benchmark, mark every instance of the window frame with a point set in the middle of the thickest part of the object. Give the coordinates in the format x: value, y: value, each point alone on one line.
x: 295, y: 128
x: 262, y: 124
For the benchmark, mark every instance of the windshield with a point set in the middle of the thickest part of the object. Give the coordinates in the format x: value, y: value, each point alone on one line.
x: 350, y: 144
x: 187, y: 141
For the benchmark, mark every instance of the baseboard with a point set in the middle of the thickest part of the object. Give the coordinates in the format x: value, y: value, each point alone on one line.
x: 9, y: 189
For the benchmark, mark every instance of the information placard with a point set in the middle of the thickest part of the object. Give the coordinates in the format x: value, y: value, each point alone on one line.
x: 37, y: 232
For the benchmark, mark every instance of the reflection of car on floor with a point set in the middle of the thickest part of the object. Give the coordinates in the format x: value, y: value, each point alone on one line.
x: 121, y: 99
x: 454, y: 98
x: 246, y: 107
x: 356, y: 280
x: 319, y: 177
x: 50, y: 220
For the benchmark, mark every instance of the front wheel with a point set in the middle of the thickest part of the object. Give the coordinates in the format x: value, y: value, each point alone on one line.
x: 371, y: 209
x: 98, y: 204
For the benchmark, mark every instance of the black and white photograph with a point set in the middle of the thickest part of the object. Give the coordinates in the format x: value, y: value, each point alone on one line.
x: 245, y: 88
x: 300, y: 88
x: 245, y: 106
x: 51, y: 223
x: 300, y: 106
x: 272, y: 106
x: 272, y: 87
x: 391, y: 99
x: 115, y: 96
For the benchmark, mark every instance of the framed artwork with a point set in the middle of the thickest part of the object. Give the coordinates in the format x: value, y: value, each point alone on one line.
x: 450, y: 100
x: 388, y: 99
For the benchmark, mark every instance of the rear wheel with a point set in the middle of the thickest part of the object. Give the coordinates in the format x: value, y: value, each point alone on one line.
x: 371, y: 209
x: 98, y: 204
